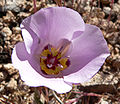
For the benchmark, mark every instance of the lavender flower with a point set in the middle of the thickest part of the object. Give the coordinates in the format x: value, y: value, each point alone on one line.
x: 59, y: 49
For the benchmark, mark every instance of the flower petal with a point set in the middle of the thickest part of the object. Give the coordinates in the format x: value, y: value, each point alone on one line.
x: 30, y: 38
x: 56, y: 23
x: 89, y: 53
x: 21, y: 61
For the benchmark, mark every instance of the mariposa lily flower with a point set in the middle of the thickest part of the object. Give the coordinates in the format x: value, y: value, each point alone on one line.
x: 59, y: 49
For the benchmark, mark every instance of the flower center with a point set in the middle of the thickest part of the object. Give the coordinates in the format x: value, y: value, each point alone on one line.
x: 52, y: 60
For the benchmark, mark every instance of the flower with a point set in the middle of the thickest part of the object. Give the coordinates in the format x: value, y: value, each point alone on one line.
x: 59, y: 49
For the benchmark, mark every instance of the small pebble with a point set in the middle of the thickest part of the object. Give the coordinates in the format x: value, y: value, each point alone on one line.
x: 12, y: 84
x: 16, y: 30
x: 7, y: 31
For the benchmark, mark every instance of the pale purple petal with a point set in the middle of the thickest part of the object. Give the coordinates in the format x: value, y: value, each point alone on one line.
x: 30, y: 38
x: 88, y: 55
x: 54, y: 24
x: 21, y: 61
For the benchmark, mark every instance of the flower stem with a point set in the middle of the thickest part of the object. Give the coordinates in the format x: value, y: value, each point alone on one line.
x: 109, y: 17
x: 111, y: 6
x: 37, y: 97
x: 34, y: 3
x: 72, y: 2
x: 57, y: 98
x: 64, y: 3
x: 47, y: 94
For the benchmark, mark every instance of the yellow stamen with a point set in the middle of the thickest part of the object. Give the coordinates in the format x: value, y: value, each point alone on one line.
x: 51, y: 61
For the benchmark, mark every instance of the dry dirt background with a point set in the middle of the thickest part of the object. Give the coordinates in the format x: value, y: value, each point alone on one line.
x: 98, y: 12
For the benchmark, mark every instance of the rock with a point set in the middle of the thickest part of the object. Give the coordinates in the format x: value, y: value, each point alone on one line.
x: 13, y: 5
x: 7, y: 31
x: 119, y: 39
x: 118, y: 1
x: 101, y: 15
x: 12, y: 84
x: 16, y: 30
x: 110, y: 47
x: 9, y: 17
x: 118, y: 46
x: 1, y: 49
x: 16, y: 76
x: 87, y: 8
x: 107, y: 10
x: 2, y: 88
x: 116, y: 63
x: 17, y: 38
x: 104, y: 24
x: 112, y: 37
x: 117, y: 51
x: 28, y: 6
x: 2, y: 35
x: 102, y: 101
x: 1, y: 25
x: 1, y: 66
x: 94, y: 21
x: 116, y: 8
x: 23, y: 15
x: 1, y: 76
x: 11, y: 70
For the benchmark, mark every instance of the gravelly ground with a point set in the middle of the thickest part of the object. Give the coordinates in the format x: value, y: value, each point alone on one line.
x: 106, y: 82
